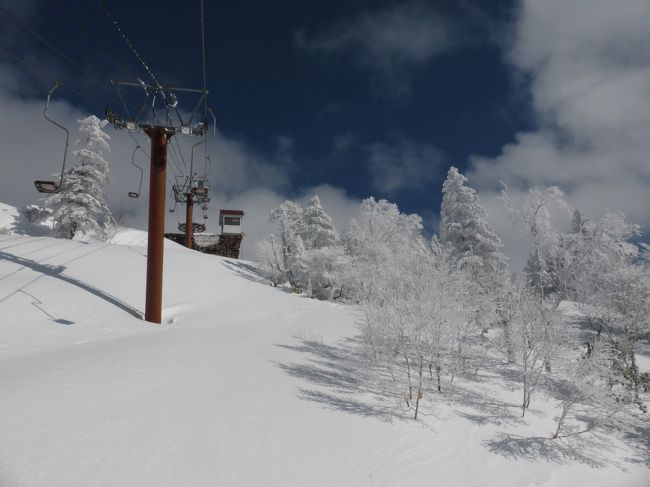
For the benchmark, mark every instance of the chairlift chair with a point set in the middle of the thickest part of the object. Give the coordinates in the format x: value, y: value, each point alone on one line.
x: 47, y: 186
x: 136, y: 194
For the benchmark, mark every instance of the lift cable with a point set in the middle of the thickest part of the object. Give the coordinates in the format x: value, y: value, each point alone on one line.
x: 88, y: 33
x: 205, y: 88
x: 176, y: 161
x: 205, y: 98
x: 64, y: 56
x: 49, y: 76
x: 107, y: 51
x: 187, y: 169
x: 128, y: 41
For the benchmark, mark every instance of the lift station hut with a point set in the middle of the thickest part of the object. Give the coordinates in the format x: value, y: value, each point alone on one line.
x: 230, y: 221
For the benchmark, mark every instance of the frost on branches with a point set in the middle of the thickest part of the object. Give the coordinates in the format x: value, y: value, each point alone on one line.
x: 80, y: 208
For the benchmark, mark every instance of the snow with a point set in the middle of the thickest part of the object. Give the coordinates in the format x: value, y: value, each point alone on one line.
x: 242, y: 385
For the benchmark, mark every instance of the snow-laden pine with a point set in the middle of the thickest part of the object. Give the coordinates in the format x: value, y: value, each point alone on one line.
x: 80, y: 207
x: 464, y: 227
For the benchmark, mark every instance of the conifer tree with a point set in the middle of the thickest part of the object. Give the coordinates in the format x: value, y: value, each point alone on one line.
x: 80, y: 206
x: 318, y: 227
x: 464, y: 228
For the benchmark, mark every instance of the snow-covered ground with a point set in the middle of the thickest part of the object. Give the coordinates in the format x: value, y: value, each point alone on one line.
x: 242, y: 385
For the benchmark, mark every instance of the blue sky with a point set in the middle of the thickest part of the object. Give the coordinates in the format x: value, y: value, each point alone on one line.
x: 353, y: 99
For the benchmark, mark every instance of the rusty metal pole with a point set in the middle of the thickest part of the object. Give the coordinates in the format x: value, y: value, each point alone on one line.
x: 189, y: 207
x: 155, y: 245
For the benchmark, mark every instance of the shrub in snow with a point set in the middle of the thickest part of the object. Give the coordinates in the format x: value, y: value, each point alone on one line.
x: 80, y: 206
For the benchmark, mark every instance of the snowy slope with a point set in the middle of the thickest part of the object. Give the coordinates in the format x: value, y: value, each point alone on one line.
x: 243, y: 385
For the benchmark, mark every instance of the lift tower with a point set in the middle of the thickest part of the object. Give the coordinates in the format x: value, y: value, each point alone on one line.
x: 159, y: 131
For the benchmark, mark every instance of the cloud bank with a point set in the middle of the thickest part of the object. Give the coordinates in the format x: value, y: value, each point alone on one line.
x: 586, y: 65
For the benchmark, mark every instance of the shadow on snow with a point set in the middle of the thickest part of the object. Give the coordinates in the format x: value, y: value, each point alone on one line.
x: 347, y: 380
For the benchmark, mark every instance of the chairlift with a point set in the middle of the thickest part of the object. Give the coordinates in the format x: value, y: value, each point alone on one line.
x: 200, y: 186
x: 46, y: 186
x: 136, y: 194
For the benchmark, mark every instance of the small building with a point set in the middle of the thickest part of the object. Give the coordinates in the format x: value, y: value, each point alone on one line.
x: 227, y: 243
x: 230, y: 221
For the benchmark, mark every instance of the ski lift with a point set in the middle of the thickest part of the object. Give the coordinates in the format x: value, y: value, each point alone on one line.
x: 49, y: 187
x: 136, y: 194
x: 200, y: 186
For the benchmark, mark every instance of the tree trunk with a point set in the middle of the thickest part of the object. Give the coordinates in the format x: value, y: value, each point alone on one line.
x: 526, y: 400
x: 565, y: 410
x: 510, y: 352
x: 419, y: 396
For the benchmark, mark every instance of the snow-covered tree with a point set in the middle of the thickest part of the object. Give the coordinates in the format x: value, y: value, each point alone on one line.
x: 318, y: 229
x: 380, y: 231
x: 80, y: 206
x: 538, y: 336
x: 288, y: 221
x: 324, y: 257
x: 272, y: 260
x: 463, y: 226
x: 587, y: 378
x: 534, y: 219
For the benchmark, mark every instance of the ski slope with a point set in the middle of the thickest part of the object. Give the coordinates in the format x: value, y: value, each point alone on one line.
x: 242, y: 385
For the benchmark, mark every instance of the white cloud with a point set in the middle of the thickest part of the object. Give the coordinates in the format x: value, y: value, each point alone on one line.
x: 388, y: 41
x: 404, y: 164
x: 588, y: 66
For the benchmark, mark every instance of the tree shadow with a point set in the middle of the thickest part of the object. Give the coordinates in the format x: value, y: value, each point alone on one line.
x: 480, y: 408
x: 57, y: 273
x: 639, y: 439
x: 22, y: 226
x: 589, y: 449
x: 347, y: 372
x: 247, y: 271
x: 346, y: 379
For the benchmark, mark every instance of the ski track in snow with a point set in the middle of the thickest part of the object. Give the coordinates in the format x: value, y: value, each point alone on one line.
x: 226, y: 392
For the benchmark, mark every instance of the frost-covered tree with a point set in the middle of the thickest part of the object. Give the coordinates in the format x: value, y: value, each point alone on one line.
x: 304, y: 250
x: 380, y: 231
x: 463, y: 226
x: 272, y: 260
x: 533, y: 218
x: 318, y: 229
x: 586, y: 377
x: 538, y: 336
x: 80, y: 206
x: 324, y: 257
x: 288, y: 222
